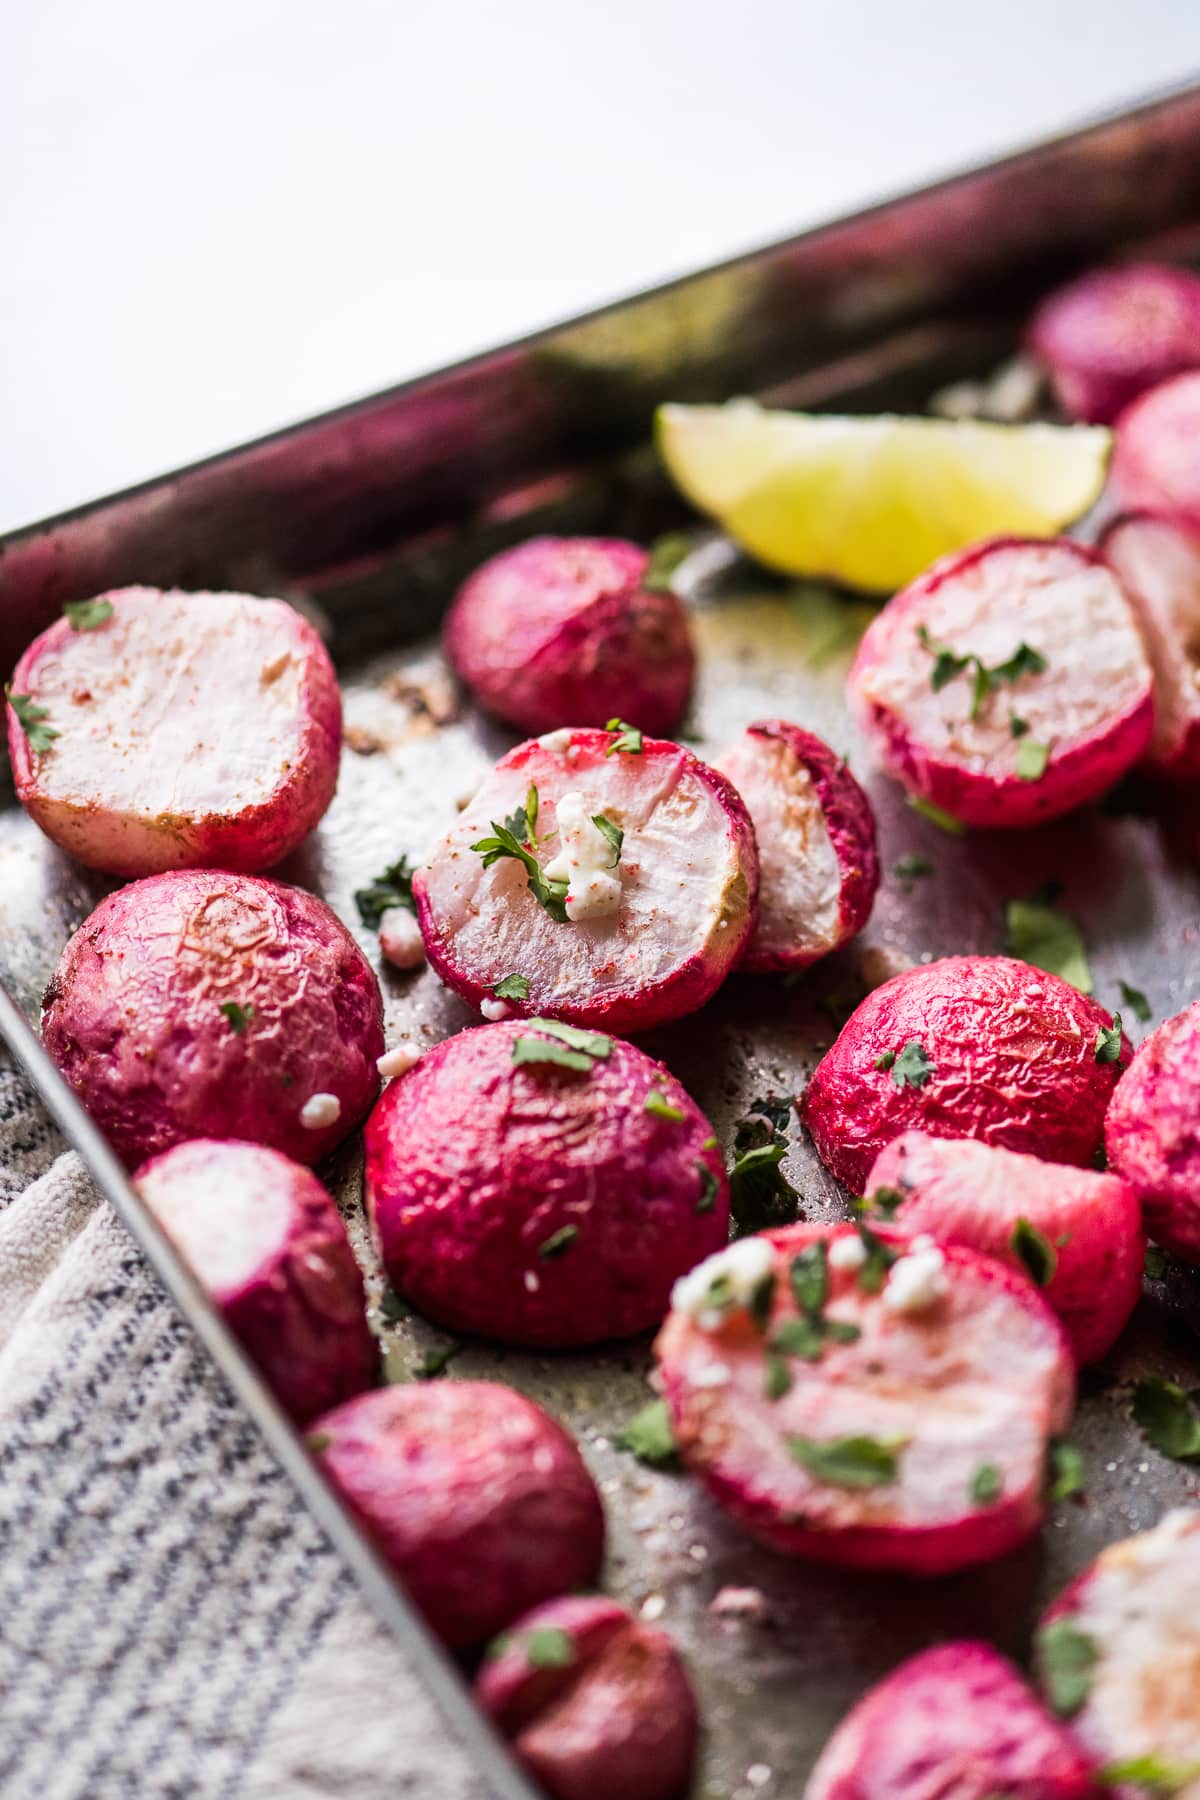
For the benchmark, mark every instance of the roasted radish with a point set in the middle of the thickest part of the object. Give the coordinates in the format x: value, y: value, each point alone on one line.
x: 563, y: 631
x: 1156, y: 465
x: 1008, y: 684
x: 857, y: 1397
x: 1118, y: 1655
x: 1152, y: 1132
x: 542, y: 1185
x: 197, y: 1004
x: 1076, y: 1233
x: 1159, y: 567
x: 1113, y: 333
x: 599, y: 876
x: 153, y: 731
x: 954, y: 1723
x: 479, y: 1501
x: 971, y: 1046
x: 595, y: 1703
x: 266, y: 1240
x: 816, y: 844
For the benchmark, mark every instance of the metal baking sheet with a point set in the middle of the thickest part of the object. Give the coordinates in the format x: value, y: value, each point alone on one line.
x: 375, y: 569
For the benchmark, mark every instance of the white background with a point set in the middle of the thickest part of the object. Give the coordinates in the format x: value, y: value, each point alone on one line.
x: 219, y: 217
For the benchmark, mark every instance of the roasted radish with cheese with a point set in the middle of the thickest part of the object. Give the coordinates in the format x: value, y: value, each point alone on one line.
x: 595, y: 1703
x: 1117, y: 1655
x: 477, y: 1499
x: 199, y: 1004
x: 154, y: 731
x: 1076, y: 1233
x: 1159, y: 567
x: 1156, y: 465
x: 1008, y: 684
x: 858, y: 1397
x: 266, y: 1240
x: 599, y: 876
x: 818, y: 870
x: 971, y: 1046
x: 564, y: 631
x: 955, y: 1723
x: 542, y: 1184
x: 1113, y: 333
x: 1152, y: 1132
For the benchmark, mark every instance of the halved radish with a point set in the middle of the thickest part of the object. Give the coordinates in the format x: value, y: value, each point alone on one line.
x: 1156, y: 464
x: 640, y: 917
x: 860, y: 1398
x: 562, y: 631
x: 478, y: 1500
x: 542, y: 1191
x: 595, y: 1703
x: 179, y: 731
x: 816, y: 844
x: 971, y: 1046
x: 1159, y: 567
x: 1076, y: 1233
x: 1118, y: 1654
x: 266, y: 1240
x: 1008, y: 684
x: 199, y: 1004
x: 1152, y: 1132
x: 955, y: 1723
x: 1112, y: 333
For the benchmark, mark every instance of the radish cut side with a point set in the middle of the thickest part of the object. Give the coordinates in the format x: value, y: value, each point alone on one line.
x: 1159, y: 566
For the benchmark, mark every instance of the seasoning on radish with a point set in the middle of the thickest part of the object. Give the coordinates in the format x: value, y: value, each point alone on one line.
x: 1152, y: 1133
x: 1156, y: 464
x: 958, y: 1721
x: 1110, y: 334
x: 542, y: 1185
x: 266, y: 1240
x: 179, y: 731
x: 1087, y: 1246
x: 564, y: 631
x: 595, y: 1703
x: 971, y: 1046
x: 478, y: 1500
x: 614, y: 876
x: 1008, y: 684
x: 894, y: 1415
x: 200, y: 1004
x: 1159, y: 566
x: 816, y: 844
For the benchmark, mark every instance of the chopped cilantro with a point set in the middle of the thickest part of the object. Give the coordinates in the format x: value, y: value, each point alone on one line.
x: 547, y: 1647
x: 884, y: 1062
x: 710, y: 1143
x: 558, y: 1241
x: 393, y: 1306
x: 1018, y: 728
x: 666, y: 555
x: 1032, y: 758
x: 910, y: 868
x: 575, y: 1049
x: 1149, y: 1772
x: 809, y: 1277
x: 511, y: 987
x: 799, y: 1337
x: 1035, y: 1251
x: 392, y: 888
x: 880, y: 1257
x: 1047, y: 939
x: 1108, y: 1041
x: 1168, y: 1418
x: 948, y: 665
x: 1065, y: 1475
x: 510, y: 839
x: 937, y: 815
x: 987, y: 1485
x: 316, y: 1441
x: 85, y: 615
x: 885, y: 1201
x: 649, y: 1436
x: 629, y: 738
x: 436, y: 1362
x: 1157, y: 1263
x: 710, y: 1187
x: 32, y: 719
x: 760, y: 1194
x: 762, y: 1300
x: 777, y: 1377
x: 612, y: 834
x: 848, y: 1462
x: 912, y: 1066
x: 657, y: 1104
x: 1136, y: 1001
x: 238, y: 1016
x: 1067, y: 1657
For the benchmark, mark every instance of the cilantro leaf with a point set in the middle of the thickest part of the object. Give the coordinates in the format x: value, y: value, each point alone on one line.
x: 809, y: 1277
x: 885, y: 1061
x: 1165, y: 1414
x: 659, y: 1107
x: 1149, y: 1772
x: 1065, y: 1471
x: 506, y: 840
x: 798, y: 1337
x: 629, y: 738
x: 1018, y: 728
x: 987, y: 1485
x: 946, y: 663
x: 511, y: 987
x: 912, y: 1067
x: 85, y: 615
x: 884, y: 1201
x: 1067, y: 1657
x: 777, y: 1377
x: 1108, y: 1041
x: 847, y: 1462
x: 937, y: 815
x: 1032, y: 758
x: 393, y: 1306
x: 1136, y: 1001
x: 592, y: 1043
x: 908, y: 868
x: 1035, y: 1251
x: 238, y: 1016
x: 392, y: 888
x: 435, y: 1362
x: 569, y: 1047
x: 1047, y: 939
x: 32, y: 719
x: 650, y: 1437
x: 1157, y: 1263
x: 547, y: 1647
x: 1025, y: 660
x: 710, y: 1187
x: 759, y: 1191
x: 613, y: 834
x: 666, y: 555
x: 558, y: 1241
x: 880, y: 1257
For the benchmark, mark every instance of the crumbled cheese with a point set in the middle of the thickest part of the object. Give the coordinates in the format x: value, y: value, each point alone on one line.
x: 739, y: 1603
x: 532, y: 1284
x: 319, y: 1111
x: 584, y: 862
x: 653, y: 1606
x: 848, y: 1253
x: 493, y: 1010
x: 400, y: 938
x: 724, y: 1282
x: 556, y: 741
x: 398, y: 1060
x: 917, y: 1281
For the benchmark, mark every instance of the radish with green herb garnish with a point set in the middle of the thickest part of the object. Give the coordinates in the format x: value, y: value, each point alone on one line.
x: 1152, y: 1132
x: 1159, y: 565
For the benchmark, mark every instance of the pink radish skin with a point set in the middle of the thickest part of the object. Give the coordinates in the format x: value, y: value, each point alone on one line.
x: 1113, y: 333
x: 957, y: 1722
x: 538, y: 1204
x: 819, y: 870
x: 133, y: 1016
x: 195, y: 731
x: 982, y: 1377
x: 266, y: 1240
x: 962, y: 1192
x: 560, y: 631
x: 688, y: 878
x: 1152, y: 1132
x: 618, y: 1718
x: 1159, y: 568
x: 1138, y: 1607
x: 1091, y: 707
x: 1156, y: 464
x: 1014, y: 1064
x: 478, y: 1500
